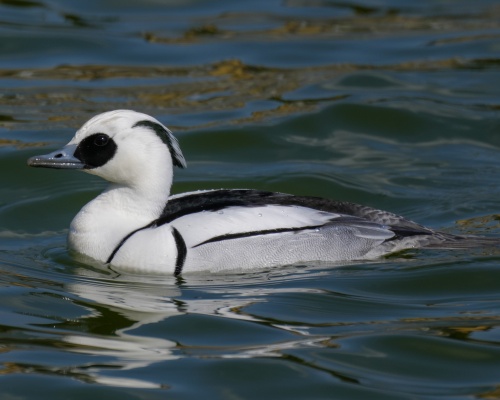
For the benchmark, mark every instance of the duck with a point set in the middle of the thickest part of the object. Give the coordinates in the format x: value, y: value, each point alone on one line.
x: 135, y: 225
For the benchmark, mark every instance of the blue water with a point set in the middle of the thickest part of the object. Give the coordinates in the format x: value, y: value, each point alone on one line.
x: 391, y: 103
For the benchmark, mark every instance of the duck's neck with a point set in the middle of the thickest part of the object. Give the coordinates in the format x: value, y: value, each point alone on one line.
x: 104, y: 222
x: 134, y: 203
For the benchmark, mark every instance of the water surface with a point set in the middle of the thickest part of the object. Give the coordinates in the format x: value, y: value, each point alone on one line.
x: 392, y: 104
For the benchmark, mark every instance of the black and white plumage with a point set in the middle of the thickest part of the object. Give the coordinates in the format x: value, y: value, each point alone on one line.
x: 135, y: 225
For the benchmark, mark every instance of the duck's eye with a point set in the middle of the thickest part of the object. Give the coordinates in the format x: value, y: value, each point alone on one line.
x: 101, y: 139
x: 95, y: 150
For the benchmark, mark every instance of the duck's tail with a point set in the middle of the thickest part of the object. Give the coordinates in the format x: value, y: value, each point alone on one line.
x: 442, y: 240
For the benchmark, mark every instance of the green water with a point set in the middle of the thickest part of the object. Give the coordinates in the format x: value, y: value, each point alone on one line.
x: 389, y: 103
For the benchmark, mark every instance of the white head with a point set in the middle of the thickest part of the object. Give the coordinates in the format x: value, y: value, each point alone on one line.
x: 122, y: 146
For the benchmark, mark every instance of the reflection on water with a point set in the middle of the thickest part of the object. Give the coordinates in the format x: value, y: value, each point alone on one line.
x: 140, y: 301
x: 122, y: 330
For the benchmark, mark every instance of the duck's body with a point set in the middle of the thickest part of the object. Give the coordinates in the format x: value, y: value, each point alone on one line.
x: 135, y: 225
x: 228, y: 229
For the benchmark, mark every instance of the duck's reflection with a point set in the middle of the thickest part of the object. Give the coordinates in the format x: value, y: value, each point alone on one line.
x: 119, y: 305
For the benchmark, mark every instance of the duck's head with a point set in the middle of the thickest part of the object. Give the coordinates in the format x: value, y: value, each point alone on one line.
x: 121, y: 146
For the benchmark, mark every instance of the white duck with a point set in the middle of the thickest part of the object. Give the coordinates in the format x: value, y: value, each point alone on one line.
x: 136, y: 226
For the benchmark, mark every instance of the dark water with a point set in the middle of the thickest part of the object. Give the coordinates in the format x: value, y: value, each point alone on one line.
x: 388, y: 103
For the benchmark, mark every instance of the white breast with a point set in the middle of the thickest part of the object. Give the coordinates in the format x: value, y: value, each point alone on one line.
x: 148, y: 251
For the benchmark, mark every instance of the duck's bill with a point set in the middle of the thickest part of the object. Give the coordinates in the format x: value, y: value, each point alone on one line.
x: 60, y: 159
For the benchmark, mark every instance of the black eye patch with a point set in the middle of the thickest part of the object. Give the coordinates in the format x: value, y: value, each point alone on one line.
x: 95, y: 150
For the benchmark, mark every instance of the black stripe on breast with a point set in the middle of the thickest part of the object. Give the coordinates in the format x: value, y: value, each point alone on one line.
x: 230, y: 236
x: 122, y: 242
x: 181, y: 252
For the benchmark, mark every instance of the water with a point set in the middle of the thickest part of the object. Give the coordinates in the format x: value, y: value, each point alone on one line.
x: 392, y: 104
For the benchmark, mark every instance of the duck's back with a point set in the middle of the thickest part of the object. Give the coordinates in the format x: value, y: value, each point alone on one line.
x: 242, y: 229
